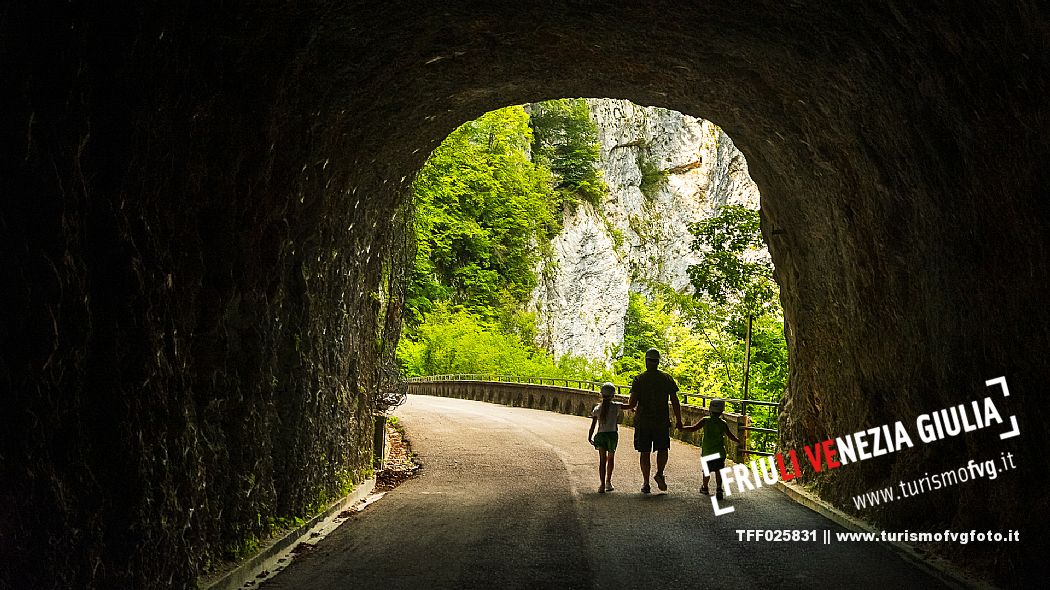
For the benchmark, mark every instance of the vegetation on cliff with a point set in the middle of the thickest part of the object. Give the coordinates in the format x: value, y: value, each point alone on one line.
x: 487, y: 203
x: 565, y: 140
x: 483, y: 211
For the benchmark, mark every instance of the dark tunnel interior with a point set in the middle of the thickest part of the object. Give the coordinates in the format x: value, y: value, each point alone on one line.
x: 204, y: 226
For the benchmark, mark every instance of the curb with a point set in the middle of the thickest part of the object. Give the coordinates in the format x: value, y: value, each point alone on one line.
x: 265, y: 563
x: 938, y: 568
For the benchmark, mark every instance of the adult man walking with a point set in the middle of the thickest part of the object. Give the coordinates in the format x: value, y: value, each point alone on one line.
x: 650, y: 393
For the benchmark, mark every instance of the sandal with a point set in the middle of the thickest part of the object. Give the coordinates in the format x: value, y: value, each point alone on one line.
x: 705, y: 491
x: 645, y: 489
x: 601, y: 489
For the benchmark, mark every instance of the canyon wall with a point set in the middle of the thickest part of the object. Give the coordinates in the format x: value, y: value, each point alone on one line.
x: 664, y: 170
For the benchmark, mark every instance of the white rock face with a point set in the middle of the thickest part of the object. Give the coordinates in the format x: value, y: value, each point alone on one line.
x: 634, y: 238
x: 583, y: 297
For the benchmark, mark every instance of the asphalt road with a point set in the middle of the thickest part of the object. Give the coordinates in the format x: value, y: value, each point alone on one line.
x: 508, y: 499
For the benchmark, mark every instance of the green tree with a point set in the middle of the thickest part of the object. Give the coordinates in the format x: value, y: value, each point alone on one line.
x: 483, y: 211
x: 565, y: 139
x: 694, y: 347
x: 734, y: 280
x: 732, y: 271
x: 653, y: 178
x: 644, y: 328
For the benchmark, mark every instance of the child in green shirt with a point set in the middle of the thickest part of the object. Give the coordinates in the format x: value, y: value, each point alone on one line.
x: 713, y: 441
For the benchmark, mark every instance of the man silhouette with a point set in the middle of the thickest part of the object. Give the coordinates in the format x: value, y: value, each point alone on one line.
x: 650, y: 393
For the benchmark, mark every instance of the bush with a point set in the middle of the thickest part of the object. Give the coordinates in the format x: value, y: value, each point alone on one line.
x: 456, y: 341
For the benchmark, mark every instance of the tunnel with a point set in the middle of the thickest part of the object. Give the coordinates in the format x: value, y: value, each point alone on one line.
x: 204, y: 220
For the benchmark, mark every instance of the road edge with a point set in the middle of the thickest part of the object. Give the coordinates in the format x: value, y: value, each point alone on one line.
x: 267, y: 559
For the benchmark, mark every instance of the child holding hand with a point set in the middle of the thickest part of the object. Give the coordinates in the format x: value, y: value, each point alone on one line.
x: 606, y: 416
x: 713, y: 441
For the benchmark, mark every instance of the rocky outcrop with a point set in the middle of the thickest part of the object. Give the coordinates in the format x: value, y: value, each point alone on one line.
x: 582, y: 297
x: 664, y: 170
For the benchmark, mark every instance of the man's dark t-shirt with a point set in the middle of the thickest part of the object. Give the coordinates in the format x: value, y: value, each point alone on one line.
x: 653, y: 391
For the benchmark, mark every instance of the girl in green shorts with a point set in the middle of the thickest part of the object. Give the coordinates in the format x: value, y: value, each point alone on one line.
x: 606, y: 416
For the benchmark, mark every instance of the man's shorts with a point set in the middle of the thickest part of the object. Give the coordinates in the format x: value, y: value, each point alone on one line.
x: 647, y: 440
x: 606, y: 441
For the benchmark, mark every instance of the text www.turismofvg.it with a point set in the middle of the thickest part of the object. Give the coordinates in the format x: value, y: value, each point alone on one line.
x: 987, y: 469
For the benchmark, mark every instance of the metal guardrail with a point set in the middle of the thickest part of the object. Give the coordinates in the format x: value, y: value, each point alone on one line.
x: 624, y: 390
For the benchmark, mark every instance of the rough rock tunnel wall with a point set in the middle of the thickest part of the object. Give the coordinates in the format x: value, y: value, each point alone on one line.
x: 196, y: 299
x: 200, y: 223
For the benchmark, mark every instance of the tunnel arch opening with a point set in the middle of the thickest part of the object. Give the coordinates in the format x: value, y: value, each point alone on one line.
x: 602, y: 196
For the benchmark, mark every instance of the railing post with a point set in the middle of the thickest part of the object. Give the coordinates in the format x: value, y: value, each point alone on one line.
x: 379, y: 444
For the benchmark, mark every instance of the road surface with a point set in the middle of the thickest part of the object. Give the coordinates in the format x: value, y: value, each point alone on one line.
x: 508, y: 499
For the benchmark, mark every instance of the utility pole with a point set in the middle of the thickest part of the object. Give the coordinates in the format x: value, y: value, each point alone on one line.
x: 742, y: 425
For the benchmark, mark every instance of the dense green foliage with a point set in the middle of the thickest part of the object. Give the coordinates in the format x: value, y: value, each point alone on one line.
x: 702, y: 348
x: 484, y: 213
x: 731, y: 272
x: 460, y: 342
x: 565, y: 140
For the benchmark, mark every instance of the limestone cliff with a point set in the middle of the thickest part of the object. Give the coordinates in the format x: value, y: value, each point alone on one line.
x: 665, y: 170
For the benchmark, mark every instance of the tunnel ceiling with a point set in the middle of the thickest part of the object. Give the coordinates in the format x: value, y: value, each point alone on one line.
x: 214, y: 162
